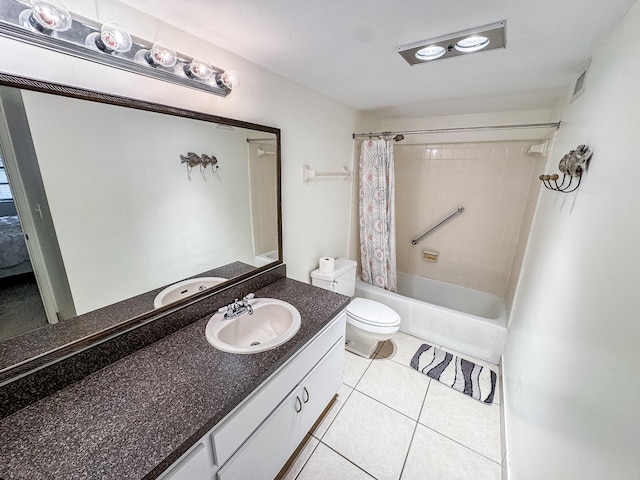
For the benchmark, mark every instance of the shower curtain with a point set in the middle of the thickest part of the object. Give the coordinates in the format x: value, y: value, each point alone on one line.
x: 377, y: 214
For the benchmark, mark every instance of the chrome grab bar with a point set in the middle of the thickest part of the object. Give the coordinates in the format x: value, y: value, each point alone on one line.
x: 438, y: 225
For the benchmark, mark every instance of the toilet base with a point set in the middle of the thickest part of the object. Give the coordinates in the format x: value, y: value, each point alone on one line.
x: 364, y: 350
x: 363, y: 343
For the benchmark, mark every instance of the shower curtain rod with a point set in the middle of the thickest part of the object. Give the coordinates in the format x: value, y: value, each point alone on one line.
x: 555, y: 125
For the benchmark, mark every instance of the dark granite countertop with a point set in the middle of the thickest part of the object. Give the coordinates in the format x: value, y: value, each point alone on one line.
x: 133, y: 419
x: 49, y: 337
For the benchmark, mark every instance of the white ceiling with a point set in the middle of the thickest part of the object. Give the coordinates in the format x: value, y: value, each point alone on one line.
x: 347, y: 49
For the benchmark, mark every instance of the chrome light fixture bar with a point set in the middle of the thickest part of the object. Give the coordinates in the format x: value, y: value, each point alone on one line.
x: 47, y: 23
x: 478, y: 39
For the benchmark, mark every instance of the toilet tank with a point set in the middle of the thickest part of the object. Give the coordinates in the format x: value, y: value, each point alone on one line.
x: 341, y: 280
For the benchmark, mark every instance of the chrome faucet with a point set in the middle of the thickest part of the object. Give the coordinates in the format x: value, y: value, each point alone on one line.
x: 238, y: 307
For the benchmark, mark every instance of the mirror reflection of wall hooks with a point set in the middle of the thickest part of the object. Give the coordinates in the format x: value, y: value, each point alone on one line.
x: 204, y: 160
x: 572, y: 166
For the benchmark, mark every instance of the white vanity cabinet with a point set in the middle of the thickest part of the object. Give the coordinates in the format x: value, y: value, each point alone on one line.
x: 266, y: 451
x: 255, y: 440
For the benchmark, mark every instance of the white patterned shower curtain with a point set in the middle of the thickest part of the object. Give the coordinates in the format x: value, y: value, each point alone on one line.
x: 377, y: 214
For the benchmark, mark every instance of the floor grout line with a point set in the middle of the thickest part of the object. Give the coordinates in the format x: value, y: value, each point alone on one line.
x: 387, y: 406
x: 413, y: 435
x: 459, y: 443
x: 352, y: 463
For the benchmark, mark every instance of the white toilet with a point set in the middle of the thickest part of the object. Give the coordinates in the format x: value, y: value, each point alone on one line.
x: 368, y: 322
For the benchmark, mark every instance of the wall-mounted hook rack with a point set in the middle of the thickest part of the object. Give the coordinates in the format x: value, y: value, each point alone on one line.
x: 204, y: 160
x: 572, y: 166
x: 308, y: 173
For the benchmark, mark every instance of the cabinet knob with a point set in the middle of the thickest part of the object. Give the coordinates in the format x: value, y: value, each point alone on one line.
x: 298, y: 404
x: 305, y: 395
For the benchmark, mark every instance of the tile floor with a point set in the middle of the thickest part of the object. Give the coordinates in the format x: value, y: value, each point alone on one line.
x: 391, y: 422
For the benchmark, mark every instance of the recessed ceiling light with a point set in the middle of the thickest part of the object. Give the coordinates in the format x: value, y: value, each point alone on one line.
x: 484, y: 38
x: 431, y: 52
x: 472, y: 44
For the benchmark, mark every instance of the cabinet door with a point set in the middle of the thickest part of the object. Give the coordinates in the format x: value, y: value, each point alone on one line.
x: 268, y: 449
x: 262, y: 456
x: 316, y: 391
x: 194, y: 466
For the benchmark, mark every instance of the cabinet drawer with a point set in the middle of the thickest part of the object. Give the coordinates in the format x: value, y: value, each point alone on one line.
x: 268, y: 449
x: 236, y: 427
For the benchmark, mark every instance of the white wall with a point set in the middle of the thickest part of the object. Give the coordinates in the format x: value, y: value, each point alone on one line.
x: 315, y: 130
x: 114, y: 181
x: 572, y: 361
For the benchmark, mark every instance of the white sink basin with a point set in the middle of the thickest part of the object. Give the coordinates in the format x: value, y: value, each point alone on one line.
x: 271, y: 324
x: 184, y: 289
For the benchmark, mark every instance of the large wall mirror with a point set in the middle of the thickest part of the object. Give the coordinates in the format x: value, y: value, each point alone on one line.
x: 105, y: 199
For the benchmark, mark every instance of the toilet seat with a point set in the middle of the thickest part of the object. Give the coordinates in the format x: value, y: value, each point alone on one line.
x: 372, y: 313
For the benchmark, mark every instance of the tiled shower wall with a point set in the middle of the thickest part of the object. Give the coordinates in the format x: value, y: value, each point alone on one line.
x: 496, y: 183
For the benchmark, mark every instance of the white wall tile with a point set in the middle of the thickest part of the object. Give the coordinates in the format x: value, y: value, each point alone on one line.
x: 492, y: 181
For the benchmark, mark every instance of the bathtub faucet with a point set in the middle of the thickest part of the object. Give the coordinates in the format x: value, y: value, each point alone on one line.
x: 238, y: 307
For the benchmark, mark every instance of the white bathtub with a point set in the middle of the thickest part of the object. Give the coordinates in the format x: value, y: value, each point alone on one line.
x: 462, y: 319
x: 265, y: 258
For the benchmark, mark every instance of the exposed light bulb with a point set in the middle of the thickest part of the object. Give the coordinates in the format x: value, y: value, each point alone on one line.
x: 229, y: 79
x: 431, y: 52
x: 198, y: 69
x: 160, y: 55
x: 46, y: 16
x: 472, y: 44
x: 112, y: 38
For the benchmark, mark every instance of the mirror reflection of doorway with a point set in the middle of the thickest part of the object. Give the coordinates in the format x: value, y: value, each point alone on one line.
x: 21, y: 308
x: 23, y: 182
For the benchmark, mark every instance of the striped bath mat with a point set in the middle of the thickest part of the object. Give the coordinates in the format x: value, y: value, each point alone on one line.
x: 462, y: 375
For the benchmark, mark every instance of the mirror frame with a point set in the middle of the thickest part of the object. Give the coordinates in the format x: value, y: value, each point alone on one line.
x: 122, y: 325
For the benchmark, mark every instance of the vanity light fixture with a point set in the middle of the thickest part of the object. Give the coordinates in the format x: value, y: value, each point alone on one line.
x: 487, y: 37
x: 48, y: 24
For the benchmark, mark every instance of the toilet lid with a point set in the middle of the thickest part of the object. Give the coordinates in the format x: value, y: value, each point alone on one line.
x: 372, y: 313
